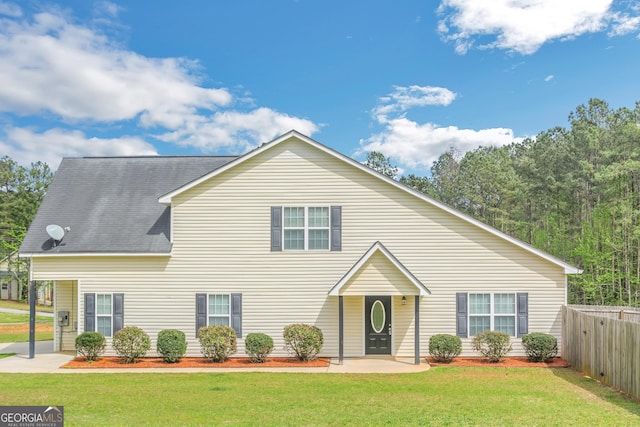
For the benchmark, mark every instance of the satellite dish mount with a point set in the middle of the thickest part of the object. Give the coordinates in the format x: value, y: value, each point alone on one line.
x: 57, y: 233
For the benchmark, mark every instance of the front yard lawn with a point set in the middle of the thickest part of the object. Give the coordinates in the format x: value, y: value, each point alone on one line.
x: 441, y: 396
x: 21, y: 318
x: 15, y: 327
x: 24, y: 306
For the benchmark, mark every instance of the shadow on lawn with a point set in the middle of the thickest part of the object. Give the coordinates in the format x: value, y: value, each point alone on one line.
x: 599, y: 390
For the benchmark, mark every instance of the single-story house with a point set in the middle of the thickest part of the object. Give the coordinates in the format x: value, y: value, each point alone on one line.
x: 291, y: 232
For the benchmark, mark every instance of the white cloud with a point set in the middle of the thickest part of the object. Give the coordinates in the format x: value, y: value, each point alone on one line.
x: 25, y: 146
x: 238, y: 129
x: 54, y: 72
x: 623, y: 23
x: 525, y: 25
x: 405, y: 98
x: 549, y: 78
x: 10, y: 9
x: 71, y: 71
x: 417, y: 146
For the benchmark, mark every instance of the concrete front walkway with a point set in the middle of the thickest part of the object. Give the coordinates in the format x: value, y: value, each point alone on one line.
x: 46, y: 361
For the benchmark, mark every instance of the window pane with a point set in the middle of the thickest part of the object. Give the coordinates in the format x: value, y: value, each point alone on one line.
x: 213, y: 321
x: 219, y: 305
x: 318, y: 239
x: 479, y: 303
x: 478, y: 324
x: 104, y: 304
x: 318, y: 217
x: 294, y: 239
x: 506, y: 324
x: 294, y: 217
x: 504, y: 303
x: 104, y: 326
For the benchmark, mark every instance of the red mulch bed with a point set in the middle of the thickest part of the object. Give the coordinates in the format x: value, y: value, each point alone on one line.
x: 508, y: 362
x: 197, y: 362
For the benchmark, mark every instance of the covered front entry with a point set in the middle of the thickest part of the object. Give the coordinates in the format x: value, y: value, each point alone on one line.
x: 377, y: 320
x: 379, y: 307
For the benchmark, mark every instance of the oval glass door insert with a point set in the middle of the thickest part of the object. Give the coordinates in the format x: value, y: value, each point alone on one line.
x: 378, y: 316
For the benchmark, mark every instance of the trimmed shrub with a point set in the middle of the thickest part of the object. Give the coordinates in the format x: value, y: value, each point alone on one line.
x: 540, y: 347
x: 90, y: 345
x: 217, y: 342
x: 305, y: 341
x: 493, y: 345
x: 172, y: 345
x: 258, y: 346
x: 444, y: 347
x: 131, y: 343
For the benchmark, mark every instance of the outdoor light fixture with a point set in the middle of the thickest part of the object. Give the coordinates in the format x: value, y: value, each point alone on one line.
x: 404, y: 300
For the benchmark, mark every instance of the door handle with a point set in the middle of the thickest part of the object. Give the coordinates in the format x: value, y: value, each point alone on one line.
x: 389, y: 328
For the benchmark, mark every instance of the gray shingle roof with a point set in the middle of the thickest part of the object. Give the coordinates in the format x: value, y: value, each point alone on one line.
x: 111, y: 204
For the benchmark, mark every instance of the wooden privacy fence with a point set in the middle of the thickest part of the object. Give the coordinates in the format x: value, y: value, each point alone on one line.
x: 600, y: 345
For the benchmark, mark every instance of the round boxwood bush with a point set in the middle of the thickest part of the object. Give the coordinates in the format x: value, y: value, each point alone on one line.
x: 305, y: 341
x: 444, y: 348
x: 131, y: 343
x: 172, y: 345
x: 258, y: 346
x: 90, y: 345
x: 540, y: 347
x: 493, y: 345
x: 217, y: 342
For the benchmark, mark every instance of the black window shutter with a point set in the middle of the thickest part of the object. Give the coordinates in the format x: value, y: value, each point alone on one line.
x: 276, y: 228
x: 523, y: 314
x: 118, y: 312
x: 236, y: 314
x: 461, y: 315
x: 336, y: 228
x: 89, y: 312
x: 201, y: 311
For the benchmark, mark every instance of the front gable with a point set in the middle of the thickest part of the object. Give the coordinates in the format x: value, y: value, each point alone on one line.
x: 378, y: 272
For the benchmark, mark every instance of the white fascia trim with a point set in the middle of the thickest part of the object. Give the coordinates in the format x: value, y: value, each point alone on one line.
x: 166, y: 199
x: 377, y: 246
x: 91, y: 254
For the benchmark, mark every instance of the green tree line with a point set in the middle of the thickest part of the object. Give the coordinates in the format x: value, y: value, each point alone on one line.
x: 21, y: 191
x: 572, y: 192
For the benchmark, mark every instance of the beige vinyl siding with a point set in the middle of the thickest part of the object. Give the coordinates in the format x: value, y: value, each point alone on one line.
x: 353, y: 326
x: 403, y: 326
x: 221, y: 244
x: 66, y: 299
x: 378, y: 276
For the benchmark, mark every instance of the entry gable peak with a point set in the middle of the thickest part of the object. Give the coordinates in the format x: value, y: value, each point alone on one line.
x: 379, y: 248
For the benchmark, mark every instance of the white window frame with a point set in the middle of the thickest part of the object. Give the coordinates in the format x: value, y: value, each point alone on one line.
x: 210, y: 315
x: 306, y: 228
x: 110, y: 315
x: 492, y: 314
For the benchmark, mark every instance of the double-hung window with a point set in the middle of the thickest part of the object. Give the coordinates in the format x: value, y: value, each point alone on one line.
x: 104, y: 310
x: 496, y: 312
x: 219, y: 310
x: 306, y: 228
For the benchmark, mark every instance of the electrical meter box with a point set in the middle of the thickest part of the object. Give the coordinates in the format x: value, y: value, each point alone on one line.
x: 63, y: 318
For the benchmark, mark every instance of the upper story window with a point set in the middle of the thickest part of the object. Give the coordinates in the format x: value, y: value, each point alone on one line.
x: 306, y: 228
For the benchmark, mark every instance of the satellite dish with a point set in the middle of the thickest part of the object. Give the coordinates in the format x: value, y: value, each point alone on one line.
x: 55, y: 232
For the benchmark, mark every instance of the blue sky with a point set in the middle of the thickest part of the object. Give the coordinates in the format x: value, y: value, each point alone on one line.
x: 408, y: 78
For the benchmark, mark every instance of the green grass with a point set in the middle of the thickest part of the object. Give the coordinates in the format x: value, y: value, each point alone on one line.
x: 443, y: 396
x: 24, y: 306
x: 24, y: 336
x: 21, y: 318
x: 3, y: 355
